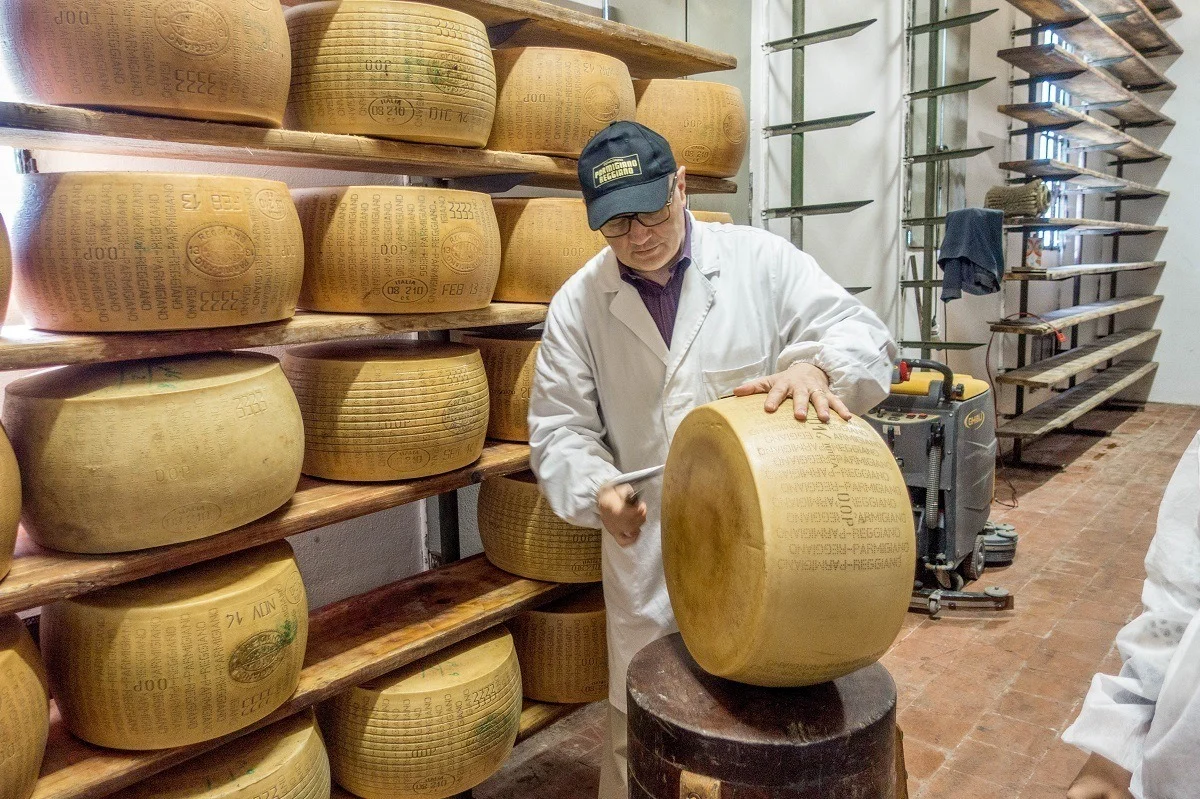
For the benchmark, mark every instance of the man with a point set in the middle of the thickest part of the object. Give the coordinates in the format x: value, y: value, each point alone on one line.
x: 673, y: 314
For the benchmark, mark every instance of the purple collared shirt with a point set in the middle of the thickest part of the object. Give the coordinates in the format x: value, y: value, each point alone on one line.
x: 663, y: 301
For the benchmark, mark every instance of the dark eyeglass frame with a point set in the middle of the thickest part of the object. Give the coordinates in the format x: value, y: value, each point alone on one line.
x: 646, y: 219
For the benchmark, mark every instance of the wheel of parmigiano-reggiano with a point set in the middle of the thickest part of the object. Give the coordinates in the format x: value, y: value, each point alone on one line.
x: 389, y: 411
x: 225, y: 60
x: 10, y: 503
x: 5, y: 270
x: 705, y: 123
x: 521, y: 534
x: 24, y: 710
x: 788, y: 546
x: 393, y: 249
x: 432, y: 729
x: 100, y: 252
x: 552, y: 100
x: 563, y: 649
x: 508, y: 360
x: 545, y: 240
x: 386, y: 68
x: 286, y: 760
x: 182, y: 657
x: 139, y: 454
x: 720, y: 217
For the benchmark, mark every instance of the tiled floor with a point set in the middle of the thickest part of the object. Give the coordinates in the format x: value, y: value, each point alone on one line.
x: 983, y: 697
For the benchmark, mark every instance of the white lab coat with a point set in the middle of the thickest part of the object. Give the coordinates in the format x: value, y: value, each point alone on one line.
x: 1147, y: 719
x: 608, y: 394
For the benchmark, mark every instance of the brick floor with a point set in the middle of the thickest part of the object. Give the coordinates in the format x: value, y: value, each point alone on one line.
x: 984, y: 697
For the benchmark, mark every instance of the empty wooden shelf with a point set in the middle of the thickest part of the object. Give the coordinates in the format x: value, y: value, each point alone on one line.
x: 1060, y: 411
x: 1062, y: 367
x: 1081, y: 130
x: 1080, y: 270
x: 1081, y: 179
x: 1063, y: 318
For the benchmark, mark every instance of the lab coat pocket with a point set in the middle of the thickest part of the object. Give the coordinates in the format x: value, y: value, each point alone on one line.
x: 721, y: 382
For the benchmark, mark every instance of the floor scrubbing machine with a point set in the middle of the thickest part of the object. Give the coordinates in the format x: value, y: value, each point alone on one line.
x: 941, y: 428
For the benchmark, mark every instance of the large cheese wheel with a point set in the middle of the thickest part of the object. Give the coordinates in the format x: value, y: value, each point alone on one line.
x: 508, y: 360
x: 386, y: 68
x: 182, y: 657
x: 393, y: 249
x: 5, y: 270
x: 10, y: 503
x: 552, y: 100
x: 705, y: 123
x: 721, y: 217
x: 286, y: 760
x: 139, y: 454
x: 100, y: 252
x: 563, y: 649
x: 389, y: 410
x: 224, y: 60
x: 788, y: 547
x: 545, y: 240
x: 432, y: 729
x: 24, y: 710
x: 521, y: 534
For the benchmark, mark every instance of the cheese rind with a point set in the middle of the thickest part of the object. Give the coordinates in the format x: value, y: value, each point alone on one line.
x: 563, y: 649
x: 705, y: 123
x: 217, y: 60
x: 10, y: 503
x: 182, y: 657
x: 544, y: 241
x: 396, y: 410
x: 5, y: 270
x: 393, y: 69
x: 397, y: 249
x: 429, y: 730
x: 102, y: 252
x: 552, y: 100
x: 138, y: 454
x: 523, y: 536
x: 24, y: 710
x: 721, y: 217
x: 509, y: 363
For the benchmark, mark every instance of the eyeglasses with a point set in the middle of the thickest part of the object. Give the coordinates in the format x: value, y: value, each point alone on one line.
x: 619, y: 225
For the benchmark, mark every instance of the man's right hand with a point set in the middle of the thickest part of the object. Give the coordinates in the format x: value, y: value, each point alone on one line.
x: 622, y: 518
x: 1100, y: 778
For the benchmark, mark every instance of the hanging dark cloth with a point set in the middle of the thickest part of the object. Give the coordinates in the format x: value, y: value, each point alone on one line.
x: 972, y: 252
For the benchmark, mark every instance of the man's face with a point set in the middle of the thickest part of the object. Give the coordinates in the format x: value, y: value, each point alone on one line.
x: 647, y: 249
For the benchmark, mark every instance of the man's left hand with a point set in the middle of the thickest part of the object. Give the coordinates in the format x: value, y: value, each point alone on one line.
x: 804, y: 383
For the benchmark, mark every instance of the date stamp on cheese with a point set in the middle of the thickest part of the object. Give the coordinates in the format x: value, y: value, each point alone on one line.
x: 256, y: 657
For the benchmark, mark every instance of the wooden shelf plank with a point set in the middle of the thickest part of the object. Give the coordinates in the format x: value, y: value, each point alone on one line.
x: 1081, y: 270
x: 1096, y: 41
x: 537, y: 716
x: 1080, y: 129
x: 1136, y: 24
x: 45, y: 127
x: 40, y: 575
x: 24, y: 348
x: 1164, y: 9
x: 349, y: 643
x: 1074, y: 403
x: 1063, y: 318
x: 1078, y: 227
x: 1087, y: 85
x: 517, y: 23
x: 1062, y: 367
x: 1080, y: 179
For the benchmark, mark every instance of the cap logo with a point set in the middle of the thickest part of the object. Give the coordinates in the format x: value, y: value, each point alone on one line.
x: 622, y: 166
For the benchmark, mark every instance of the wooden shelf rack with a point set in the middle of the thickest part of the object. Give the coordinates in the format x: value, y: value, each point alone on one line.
x: 1081, y: 270
x: 1063, y: 318
x: 1086, y: 132
x: 1060, y: 368
x: 1072, y: 404
x: 1074, y: 178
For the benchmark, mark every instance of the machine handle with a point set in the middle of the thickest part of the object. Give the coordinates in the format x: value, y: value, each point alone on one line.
x: 947, y: 374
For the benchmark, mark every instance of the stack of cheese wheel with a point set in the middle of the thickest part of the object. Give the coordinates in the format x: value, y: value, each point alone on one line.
x: 508, y: 360
x: 100, y: 252
x: 563, y: 649
x: 132, y: 455
x: 286, y: 760
x: 788, y: 546
x: 180, y: 658
x: 721, y: 217
x: 10, y: 503
x: 389, y: 410
x: 432, y: 729
x: 545, y: 240
x: 24, y: 710
x: 225, y: 60
x: 392, y: 249
x: 398, y: 70
x: 5, y: 270
x: 551, y: 100
x: 705, y: 123
x: 521, y: 534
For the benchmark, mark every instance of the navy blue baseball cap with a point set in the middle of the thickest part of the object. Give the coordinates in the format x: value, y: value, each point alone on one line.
x: 625, y: 169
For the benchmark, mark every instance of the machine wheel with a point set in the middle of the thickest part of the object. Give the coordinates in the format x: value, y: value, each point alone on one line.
x: 949, y: 580
x: 973, y: 565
